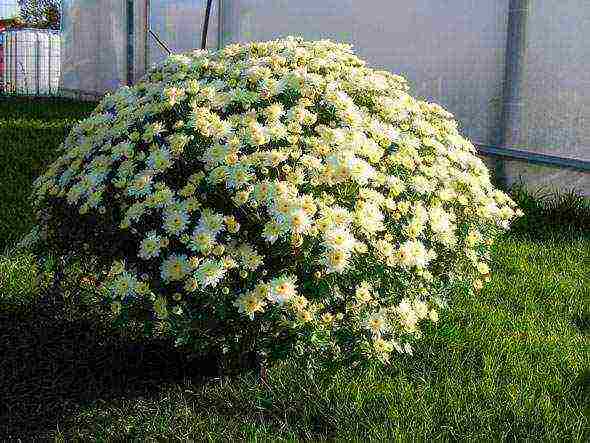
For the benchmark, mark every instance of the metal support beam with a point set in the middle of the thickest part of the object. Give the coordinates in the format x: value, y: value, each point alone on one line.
x: 160, y: 42
x: 512, y: 104
x: 130, y: 42
x: 146, y: 45
x: 534, y: 157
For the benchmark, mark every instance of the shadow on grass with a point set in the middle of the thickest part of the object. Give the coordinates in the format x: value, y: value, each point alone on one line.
x: 49, y: 368
x: 581, y: 321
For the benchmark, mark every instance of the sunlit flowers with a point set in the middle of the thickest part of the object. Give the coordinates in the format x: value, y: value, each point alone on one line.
x: 377, y: 322
x: 250, y: 303
x: 284, y: 183
x: 413, y: 253
x: 282, y: 289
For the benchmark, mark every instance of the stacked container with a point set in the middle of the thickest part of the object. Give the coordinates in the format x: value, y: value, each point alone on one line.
x: 31, y: 61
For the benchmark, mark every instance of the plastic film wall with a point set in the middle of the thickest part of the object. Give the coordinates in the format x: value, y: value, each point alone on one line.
x: 8, y: 9
x: 179, y: 23
x: 556, y: 111
x: 94, y: 45
x: 453, y: 53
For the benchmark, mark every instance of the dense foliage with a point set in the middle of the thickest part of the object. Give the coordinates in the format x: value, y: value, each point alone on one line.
x: 43, y: 14
x: 278, y: 196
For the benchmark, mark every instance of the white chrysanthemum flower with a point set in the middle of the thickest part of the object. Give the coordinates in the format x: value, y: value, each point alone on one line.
x: 385, y: 248
x: 339, y: 239
x: 413, y: 253
x: 404, y: 306
x: 159, y: 159
x: 272, y: 231
x: 377, y: 322
x: 483, y: 268
x: 422, y: 184
x: 368, y: 217
x: 360, y: 170
x: 395, y: 184
x: 211, y: 222
x: 215, y: 154
x: 440, y: 220
x: 202, y: 240
x: 175, y: 221
x: 420, y: 308
x: 238, y: 176
x: 336, y: 261
x: 264, y: 192
x: 409, y: 321
x: 282, y: 289
x: 446, y: 238
x: 141, y: 184
x: 363, y: 292
x: 340, y: 216
x: 124, y: 284
x: 210, y: 273
x: 299, y: 221
x: 249, y: 304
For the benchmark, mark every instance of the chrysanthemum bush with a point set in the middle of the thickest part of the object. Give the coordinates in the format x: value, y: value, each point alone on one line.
x: 274, y: 196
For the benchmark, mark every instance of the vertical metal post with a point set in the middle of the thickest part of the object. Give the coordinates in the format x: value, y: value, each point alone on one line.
x: 37, y: 60
x: 61, y: 37
x: 49, y: 64
x: 206, y: 24
x: 146, y: 35
x: 130, y: 42
x: 511, y: 119
x: 220, y: 6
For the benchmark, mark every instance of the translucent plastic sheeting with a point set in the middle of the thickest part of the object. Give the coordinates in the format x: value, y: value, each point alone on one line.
x: 8, y: 9
x: 453, y: 53
x: 556, y: 111
x: 97, y: 36
x: 94, y: 45
x: 31, y: 62
x: 179, y: 24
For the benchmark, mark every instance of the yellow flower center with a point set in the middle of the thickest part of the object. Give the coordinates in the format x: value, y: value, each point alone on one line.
x: 339, y: 240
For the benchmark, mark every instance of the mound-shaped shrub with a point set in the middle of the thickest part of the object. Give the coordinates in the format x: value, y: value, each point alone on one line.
x: 275, y: 196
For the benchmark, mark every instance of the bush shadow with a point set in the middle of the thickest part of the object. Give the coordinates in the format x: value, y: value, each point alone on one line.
x: 50, y: 368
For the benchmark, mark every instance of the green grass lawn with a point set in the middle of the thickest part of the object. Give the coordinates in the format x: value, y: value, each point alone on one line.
x: 30, y: 131
x: 510, y: 363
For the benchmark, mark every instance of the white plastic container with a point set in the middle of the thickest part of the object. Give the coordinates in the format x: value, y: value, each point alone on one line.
x: 31, y: 61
